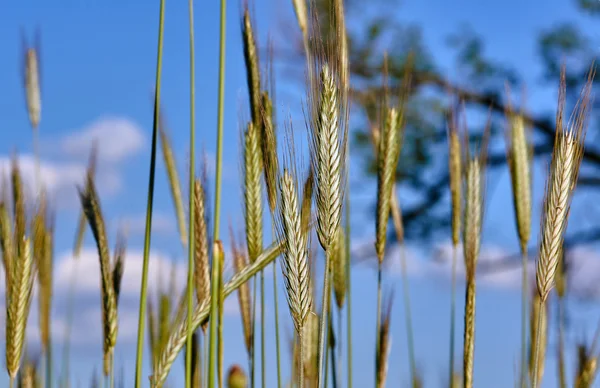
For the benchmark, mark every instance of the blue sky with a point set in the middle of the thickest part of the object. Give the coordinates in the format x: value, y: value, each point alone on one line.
x: 98, y: 62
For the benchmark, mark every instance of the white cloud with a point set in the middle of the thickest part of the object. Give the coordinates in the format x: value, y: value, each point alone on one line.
x: 497, y: 267
x: 59, y: 178
x: 117, y: 138
x: 87, y: 329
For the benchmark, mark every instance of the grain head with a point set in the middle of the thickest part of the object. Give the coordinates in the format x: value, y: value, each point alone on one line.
x: 560, y: 184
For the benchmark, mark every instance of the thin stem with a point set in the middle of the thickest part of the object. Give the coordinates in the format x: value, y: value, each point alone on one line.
x: 327, y: 350
x: 149, y: 203
x: 301, y: 361
x: 214, y: 311
x: 206, y: 357
x: 263, y: 356
x: 276, y: 309
x: 36, y: 152
x: 452, y: 313
x: 220, y: 115
x: 69, y: 326
x: 112, y: 370
x: 276, y: 324
x: 190, y: 279
x: 253, y: 350
x: 324, y: 316
x: 220, y: 339
x: 378, y: 322
x: 11, y: 383
x: 524, y: 292
x: 538, y: 338
x: 408, y: 315
x: 339, y: 337
x: 348, y: 285
x: 562, y: 378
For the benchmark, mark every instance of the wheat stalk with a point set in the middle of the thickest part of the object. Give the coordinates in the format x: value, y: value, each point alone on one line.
x: 240, y: 261
x: 202, y: 311
x: 473, y: 214
x: 561, y: 182
x: 91, y: 207
x: 253, y: 191
x: 174, y: 184
x: 32, y: 81
x: 201, y: 264
x: 269, y: 151
x: 18, y: 296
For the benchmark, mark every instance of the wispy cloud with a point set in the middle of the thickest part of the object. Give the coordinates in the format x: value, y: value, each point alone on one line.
x: 59, y: 178
x: 498, y: 266
x: 117, y: 139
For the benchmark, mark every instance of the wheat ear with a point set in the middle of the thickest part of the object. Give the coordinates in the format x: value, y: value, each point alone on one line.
x: 93, y: 212
x: 174, y: 183
x: 561, y: 182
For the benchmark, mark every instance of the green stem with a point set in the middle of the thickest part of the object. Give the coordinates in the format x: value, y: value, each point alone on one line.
x: 263, y: 366
x: 538, y: 337
x: 220, y: 339
x: 327, y: 350
x: 408, y: 315
x: 220, y: 110
x: 112, y: 370
x: 253, y: 350
x: 524, y: 292
x: 190, y: 279
x: 378, y: 323
x: 339, y: 337
x: 562, y: 379
x: 301, y: 361
x: 324, y: 312
x: 276, y: 324
x: 348, y: 287
x: 452, y: 314
x: 150, y: 200
x: 214, y: 318
x: 206, y: 357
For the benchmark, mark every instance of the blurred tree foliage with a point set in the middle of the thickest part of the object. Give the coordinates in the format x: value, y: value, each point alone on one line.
x: 422, y: 171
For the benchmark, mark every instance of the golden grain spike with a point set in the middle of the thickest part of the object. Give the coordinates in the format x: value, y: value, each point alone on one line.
x: 93, y: 212
x: 253, y: 192
x: 562, y: 179
x: 455, y: 170
x: 252, y: 67
x: 80, y: 232
x: 473, y: 215
x: 6, y: 244
x: 17, y: 308
x: 269, y: 151
x: 201, y: 264
x: 328, y: 146
x: 387, y: 160
x: 174, y: 183
x: 32, y: 81
x: 295, y: 263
